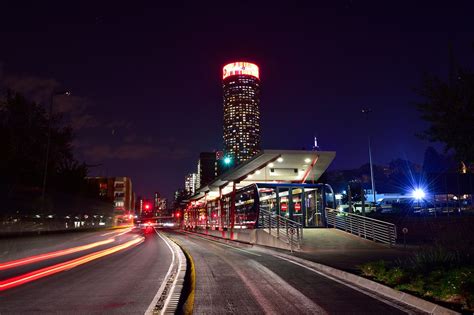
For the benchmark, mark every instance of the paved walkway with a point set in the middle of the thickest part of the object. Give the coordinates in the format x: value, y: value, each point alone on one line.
x: 345, y: 251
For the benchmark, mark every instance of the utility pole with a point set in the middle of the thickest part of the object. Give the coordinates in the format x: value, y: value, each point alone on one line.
x: 366, y: 112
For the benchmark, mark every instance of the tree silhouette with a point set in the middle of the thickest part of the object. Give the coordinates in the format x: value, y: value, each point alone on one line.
x: 448, y: 107
x: 23, y: 137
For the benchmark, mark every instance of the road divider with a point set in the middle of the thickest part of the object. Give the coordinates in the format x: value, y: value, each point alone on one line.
x: 47, y: 271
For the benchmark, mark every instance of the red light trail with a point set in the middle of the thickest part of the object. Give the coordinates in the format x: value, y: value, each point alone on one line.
x: 32, y: 259
x: 44, y: 272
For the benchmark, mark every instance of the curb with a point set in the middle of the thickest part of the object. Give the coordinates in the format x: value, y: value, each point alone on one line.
x: 168, y: 296
x: 188, y: 304
x: 374, y: 287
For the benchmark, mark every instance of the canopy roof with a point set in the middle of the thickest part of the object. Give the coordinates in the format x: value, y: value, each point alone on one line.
x: 272, y: 166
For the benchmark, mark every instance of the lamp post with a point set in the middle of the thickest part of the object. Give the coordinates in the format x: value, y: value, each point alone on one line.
x: 48, y: 141
x: 366, y: 112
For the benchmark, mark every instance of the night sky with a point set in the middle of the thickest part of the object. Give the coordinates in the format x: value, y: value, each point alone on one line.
x: 146, y: 80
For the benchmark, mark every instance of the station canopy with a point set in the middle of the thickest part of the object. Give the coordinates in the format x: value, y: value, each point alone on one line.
x: 270, y: 166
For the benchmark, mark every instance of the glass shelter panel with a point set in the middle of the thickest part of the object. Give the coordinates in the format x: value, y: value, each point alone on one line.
x: 314, y: 206
x: 283, y: 202
x: 268, y: 199
x: 297, y: 204
x: 245, y: 209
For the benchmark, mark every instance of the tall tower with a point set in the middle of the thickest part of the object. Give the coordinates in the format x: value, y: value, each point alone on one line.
x: 241, y: 85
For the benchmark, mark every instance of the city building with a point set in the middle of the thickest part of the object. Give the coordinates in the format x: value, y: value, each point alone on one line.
x: 123, y: 195
x: 241, y: 86
x: 117, y: 190
x: 208, y: 168
x: 160, y: 204
x: 191, y: 183
x: 139, y: 204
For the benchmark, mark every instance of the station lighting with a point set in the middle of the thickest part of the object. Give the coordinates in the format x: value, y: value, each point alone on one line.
x: 307, y: 160
x: 271, y: 165
x: 280, y: 159
x: 418, y: 194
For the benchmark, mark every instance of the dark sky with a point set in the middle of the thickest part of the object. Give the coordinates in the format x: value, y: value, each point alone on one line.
x: 146, y: 79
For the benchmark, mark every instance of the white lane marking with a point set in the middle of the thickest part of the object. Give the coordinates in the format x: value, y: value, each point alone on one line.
x: 215, y: 241
x: 173, y: 286
x: 151, y: 307
x: 348, y: 285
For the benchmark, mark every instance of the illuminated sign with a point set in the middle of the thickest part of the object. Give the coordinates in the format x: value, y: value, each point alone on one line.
x: 284, y: 207
x: 238, y: 68
x: 298, y: 207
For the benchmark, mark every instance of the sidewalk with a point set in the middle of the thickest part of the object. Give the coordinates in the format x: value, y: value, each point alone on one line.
x: 345, y: 251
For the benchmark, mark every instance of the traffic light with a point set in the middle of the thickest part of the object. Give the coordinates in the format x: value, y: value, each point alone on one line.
x: 227, y: 160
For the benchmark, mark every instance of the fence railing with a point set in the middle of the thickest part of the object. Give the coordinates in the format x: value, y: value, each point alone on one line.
x: 372, y: 229
x: 288, y: 231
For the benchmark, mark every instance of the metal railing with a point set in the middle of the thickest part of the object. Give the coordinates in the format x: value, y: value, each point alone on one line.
x: 286, y: 230
x: 372, y: 229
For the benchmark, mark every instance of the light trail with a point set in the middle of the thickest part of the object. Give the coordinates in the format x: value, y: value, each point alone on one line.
x: 44, y: 272
x: 36, y: 258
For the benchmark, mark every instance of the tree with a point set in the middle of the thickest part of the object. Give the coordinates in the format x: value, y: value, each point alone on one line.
x: 449, y: 110
x: 23, y: 136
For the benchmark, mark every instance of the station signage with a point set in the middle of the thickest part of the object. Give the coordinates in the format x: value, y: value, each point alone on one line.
x: 297, y: 207
x: 284, y: 207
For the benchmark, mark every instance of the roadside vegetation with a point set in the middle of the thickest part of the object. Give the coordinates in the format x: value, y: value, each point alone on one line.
x: 434, y: 273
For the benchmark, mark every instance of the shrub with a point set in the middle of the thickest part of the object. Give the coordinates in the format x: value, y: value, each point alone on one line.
x: 427, y: 260
x: 435, y: 273
x: 373, y: 269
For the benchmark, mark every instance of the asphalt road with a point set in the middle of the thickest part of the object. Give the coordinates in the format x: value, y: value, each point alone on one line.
x: 123, y: 282
x: 243, y: 280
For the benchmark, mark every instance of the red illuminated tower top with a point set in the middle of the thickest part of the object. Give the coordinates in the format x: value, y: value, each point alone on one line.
x: 240, y: 68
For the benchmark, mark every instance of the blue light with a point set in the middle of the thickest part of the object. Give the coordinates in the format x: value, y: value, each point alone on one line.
x: 418, y: 194
x: 227, y: 160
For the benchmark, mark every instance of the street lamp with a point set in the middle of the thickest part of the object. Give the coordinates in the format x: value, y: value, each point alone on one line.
x: 48, y: 141
x: 366, y: 112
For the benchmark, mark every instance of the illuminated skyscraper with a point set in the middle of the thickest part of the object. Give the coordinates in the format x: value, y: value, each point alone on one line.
x: 241, y: 85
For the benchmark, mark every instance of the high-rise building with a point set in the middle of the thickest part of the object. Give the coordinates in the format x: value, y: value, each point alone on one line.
x: 190, y: 183
x: 241, y: 85
x: 160, y: 204
x: 208, y: 168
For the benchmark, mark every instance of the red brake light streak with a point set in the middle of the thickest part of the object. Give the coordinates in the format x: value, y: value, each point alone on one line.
x: 32, y: 259
x: 47, y: 271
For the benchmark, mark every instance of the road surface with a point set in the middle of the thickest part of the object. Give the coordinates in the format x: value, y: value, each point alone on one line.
x: 243, y: 280
x: 124, y: 280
